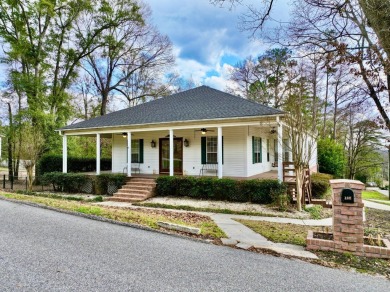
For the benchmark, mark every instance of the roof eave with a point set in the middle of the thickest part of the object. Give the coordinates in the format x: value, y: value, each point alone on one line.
x: 62, y: 130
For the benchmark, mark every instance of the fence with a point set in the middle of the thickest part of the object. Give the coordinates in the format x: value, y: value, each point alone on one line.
x: 20, y: 183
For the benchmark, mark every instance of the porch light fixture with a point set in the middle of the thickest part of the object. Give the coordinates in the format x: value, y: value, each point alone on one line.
x: 186, y: 143
x: 124, y: 135
x: 153, y: 144
x: 203, y: 130
x: 273, y: 131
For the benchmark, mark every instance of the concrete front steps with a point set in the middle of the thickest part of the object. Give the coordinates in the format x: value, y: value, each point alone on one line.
x: 136, y: 189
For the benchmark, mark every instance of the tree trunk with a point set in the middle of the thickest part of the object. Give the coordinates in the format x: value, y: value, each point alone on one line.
x: 299, y: 183
x: 103, y: 108
x: 29, y: 170
x: 10, y: 142
x: 325, y: 104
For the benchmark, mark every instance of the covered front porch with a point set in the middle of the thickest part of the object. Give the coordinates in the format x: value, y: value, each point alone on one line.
x: 250, y: 148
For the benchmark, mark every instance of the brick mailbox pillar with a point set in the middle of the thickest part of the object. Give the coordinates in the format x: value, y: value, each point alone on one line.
x: 348, y: 229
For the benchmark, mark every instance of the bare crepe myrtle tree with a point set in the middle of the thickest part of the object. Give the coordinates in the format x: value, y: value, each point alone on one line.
x: 299, y: 127
x: 31, y: 148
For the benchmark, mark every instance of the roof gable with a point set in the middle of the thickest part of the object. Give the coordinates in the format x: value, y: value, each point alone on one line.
x: 201, y: 103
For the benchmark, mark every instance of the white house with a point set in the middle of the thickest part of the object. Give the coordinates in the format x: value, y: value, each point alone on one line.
x: 198, y: 131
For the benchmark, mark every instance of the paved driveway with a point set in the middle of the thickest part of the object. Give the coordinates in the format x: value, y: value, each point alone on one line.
x: 42, y: 250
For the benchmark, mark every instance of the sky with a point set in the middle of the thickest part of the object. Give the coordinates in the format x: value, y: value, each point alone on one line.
x: 206, y: 39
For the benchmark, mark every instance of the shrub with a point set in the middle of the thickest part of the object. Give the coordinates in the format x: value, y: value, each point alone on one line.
x: 224, y: 189
x: 53, y: 163
x: 75, y: 182
x: 315, y: 211
x: 103, y: 181
x: 166, y: 186
x: 320, y: 185
x: 184, y: 186
x: 66, y: 182
x: 203, y: 188
x: 257, y: 191
x: 331, y: 157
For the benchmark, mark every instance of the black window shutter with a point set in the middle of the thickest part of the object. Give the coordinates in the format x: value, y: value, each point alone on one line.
x: 222, y: 151
x: 261, y: 151
x: 253, y: 151
x: 203, y: 149
x: 141, y: 150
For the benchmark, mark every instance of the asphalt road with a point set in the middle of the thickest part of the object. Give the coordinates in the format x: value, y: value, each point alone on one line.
x: 43, y: 250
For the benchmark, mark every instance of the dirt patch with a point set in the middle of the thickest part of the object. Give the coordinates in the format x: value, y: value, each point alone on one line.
x: 187, y: 217
x: 377, y: 223
x: 223, y: 205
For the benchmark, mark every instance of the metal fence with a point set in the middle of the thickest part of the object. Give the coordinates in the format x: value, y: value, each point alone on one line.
x: 20, y: 183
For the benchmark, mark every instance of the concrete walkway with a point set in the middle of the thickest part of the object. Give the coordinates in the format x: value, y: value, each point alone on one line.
x: 243, y: 237
x: 373, y: 205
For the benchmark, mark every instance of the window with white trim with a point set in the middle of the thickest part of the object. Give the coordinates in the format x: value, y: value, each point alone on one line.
x: 135, y: 151
x: 211, y: 149
x: 256, y: 149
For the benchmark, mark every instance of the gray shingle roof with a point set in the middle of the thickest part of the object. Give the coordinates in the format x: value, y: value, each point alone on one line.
x: 201, y: 103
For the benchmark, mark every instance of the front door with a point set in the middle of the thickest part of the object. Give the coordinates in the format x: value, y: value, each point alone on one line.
x: 177, y: 155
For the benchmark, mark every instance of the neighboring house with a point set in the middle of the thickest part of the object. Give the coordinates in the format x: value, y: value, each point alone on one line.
x: 198, y: 131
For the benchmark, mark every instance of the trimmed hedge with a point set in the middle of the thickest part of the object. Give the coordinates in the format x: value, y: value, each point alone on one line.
x: 66, y: 182
x: 320, y: 185
x: 256, y: 191
x: 76, y: 182
x: 53, y: 163
x: 103, y: 181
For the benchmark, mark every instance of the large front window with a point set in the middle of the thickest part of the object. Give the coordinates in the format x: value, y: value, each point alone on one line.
x: 211, y: 149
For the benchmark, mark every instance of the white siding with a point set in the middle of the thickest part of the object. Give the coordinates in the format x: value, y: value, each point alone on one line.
x: 234, y: 139
x: 264, y: 166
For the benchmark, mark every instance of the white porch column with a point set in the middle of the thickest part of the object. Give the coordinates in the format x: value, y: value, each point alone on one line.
x: 280, y: 149
x: 128, y: 153
x: 171, y: 166
x: 97, y: 154
x: 219, y: 152
x: 64, y: 154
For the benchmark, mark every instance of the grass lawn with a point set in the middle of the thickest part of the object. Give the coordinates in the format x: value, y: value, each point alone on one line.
x: 138, y: 216
x: 281, y: 232
x: 373, y: 195
x: 377, y: 222
x: 376, y: 197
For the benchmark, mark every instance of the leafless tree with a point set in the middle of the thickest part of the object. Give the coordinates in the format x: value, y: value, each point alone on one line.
x: 131, y: 61
x: 356, y: 31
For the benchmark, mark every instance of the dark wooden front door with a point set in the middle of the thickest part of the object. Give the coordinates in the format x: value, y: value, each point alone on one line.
x: 177, y: 155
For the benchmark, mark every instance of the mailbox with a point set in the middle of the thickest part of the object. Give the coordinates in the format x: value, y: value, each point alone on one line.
x: 347, y: 196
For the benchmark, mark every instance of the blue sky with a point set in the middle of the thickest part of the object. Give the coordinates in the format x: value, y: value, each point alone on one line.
x: 206, y: 38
